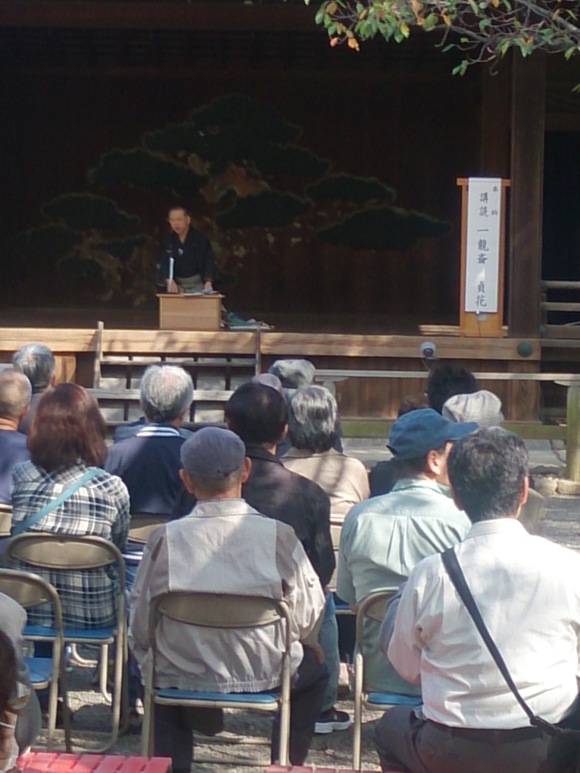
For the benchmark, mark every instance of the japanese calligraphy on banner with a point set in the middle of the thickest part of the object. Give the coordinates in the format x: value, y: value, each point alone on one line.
x: 483, y: 245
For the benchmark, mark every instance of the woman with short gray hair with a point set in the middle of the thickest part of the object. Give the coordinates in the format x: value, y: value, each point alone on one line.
x: 313, y: 427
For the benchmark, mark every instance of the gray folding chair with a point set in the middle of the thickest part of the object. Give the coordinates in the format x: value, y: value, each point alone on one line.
x: 5, y: 519
x: 219, y: 611
x: 54, y: 553
x: 142, y: 525
x: 373, y: 607
x: 30, y: 590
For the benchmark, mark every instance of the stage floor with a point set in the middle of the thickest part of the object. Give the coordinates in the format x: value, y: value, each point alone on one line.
x: 147, y: 318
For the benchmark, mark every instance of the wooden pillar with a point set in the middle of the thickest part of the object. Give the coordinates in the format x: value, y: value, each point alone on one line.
x: 527, y: 175
x: 495, y: 122
x: 573, y: 433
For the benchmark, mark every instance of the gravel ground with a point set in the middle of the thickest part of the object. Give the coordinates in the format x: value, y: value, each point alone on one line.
x: 561, y: 524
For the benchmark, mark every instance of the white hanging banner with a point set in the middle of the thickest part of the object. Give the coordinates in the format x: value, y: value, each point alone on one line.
x: 483, y: 243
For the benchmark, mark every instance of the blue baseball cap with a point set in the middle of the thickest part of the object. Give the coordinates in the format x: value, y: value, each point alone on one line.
x: 416, y: 433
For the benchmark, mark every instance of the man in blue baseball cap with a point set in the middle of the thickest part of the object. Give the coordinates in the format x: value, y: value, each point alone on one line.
x: 384, y: 537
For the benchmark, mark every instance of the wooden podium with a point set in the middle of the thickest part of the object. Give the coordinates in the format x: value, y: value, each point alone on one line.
x: 189, y: 312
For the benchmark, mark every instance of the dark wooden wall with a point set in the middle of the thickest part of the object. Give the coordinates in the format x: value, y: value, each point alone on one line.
x: 391, y: 113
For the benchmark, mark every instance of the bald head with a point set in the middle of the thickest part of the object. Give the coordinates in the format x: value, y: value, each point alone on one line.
x: 15, y: 393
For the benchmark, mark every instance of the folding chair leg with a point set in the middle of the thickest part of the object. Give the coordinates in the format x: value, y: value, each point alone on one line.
x: 283, y: 751
x: 104, y: 673
x: 149, y: 719
x: 52, y: 711
x: 65, y: 707
x: 358, y: 711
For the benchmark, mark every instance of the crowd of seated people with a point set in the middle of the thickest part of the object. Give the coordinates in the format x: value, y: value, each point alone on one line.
x: 247, y: 510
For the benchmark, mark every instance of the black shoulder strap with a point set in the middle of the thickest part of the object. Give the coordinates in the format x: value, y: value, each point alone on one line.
x: 457, y: 577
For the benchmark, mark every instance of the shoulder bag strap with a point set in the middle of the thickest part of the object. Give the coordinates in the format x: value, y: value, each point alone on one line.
x: 24, y: 525
x: 457, y: 577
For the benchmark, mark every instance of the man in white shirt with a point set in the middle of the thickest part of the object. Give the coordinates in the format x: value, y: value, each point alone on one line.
x: 528, y: 592
x: 225, y: 546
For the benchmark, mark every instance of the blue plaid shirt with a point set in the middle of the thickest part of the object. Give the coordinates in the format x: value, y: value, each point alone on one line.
x: 101, y: 508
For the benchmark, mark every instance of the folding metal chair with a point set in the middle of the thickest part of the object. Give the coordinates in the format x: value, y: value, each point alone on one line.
x: 30, y: 590
x: 142, y: 525
x: 5, y: 519
x: 219, y: 611
x: 43, y: 552
x: 373, y: 607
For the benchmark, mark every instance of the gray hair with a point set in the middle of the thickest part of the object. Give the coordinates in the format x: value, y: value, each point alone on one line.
x: 313, y: 419
x: 166, y: 392
x: 15, y: 393
x: 37, y: 363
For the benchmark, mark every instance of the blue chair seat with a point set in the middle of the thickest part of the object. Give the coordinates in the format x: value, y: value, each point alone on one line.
x: 40, y: 670
x: 77, y: 634
x: 231, y: 697
x: 393, y: 699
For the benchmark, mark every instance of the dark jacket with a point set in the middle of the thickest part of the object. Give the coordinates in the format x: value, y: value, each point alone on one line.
x: 193, y: 256
x: 275, y: 491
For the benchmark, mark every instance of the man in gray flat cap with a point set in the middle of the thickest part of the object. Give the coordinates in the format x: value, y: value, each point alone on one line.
x: 225, y: 546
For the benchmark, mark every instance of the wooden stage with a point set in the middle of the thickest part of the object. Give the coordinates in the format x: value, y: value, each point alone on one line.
x: 77, y: 347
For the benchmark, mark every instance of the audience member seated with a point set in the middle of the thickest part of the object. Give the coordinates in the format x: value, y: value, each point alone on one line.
x: 148, y: 461
x: 385, y: 474
x: 63, y: 490
x: 293, y: 375
x: 259, y: 415
x: 527, y: 590
x: 313, y: 430
x: 484, y: 408
x: 15, y: 394
x: 446, y: 380
x: 384, y: 538
x: 226, y: 546
x: 17, y: 696
x: 36, y: 361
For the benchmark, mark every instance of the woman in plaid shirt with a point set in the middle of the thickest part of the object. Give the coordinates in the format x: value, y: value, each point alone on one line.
x: 66, y: 440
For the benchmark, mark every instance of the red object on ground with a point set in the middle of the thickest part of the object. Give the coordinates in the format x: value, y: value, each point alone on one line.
x: 51, y: 762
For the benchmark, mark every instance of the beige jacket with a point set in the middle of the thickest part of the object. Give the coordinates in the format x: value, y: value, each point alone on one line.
x: 224, y: 546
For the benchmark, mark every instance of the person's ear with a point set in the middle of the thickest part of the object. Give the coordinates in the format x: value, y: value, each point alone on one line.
x: 186, y: 480
x: 433, y: 461
x: 523, y: 498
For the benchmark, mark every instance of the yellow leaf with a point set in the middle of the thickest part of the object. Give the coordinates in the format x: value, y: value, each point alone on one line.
x: 405, y: 29
x: 446, y: 19
x: 331, y: 8
x: 416, y: 6
x: 363, y: 14
x: 353, y: 43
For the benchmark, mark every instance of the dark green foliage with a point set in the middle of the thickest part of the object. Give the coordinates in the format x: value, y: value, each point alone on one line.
x: 85, y: 211
x: 177, y: 138
x: 122, y: 248
x: 81, y: 269
x: 346, y: 187
x: 265, y: 209
x: 382, y: 228
x: 144, y: 170
x: 50, y: 241
x: 289, y: 160
x: 265, y: 122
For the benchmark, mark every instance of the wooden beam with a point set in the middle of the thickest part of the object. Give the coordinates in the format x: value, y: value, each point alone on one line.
x: 527, y: 175
x: 305, y: 344
x: 157, y: 15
